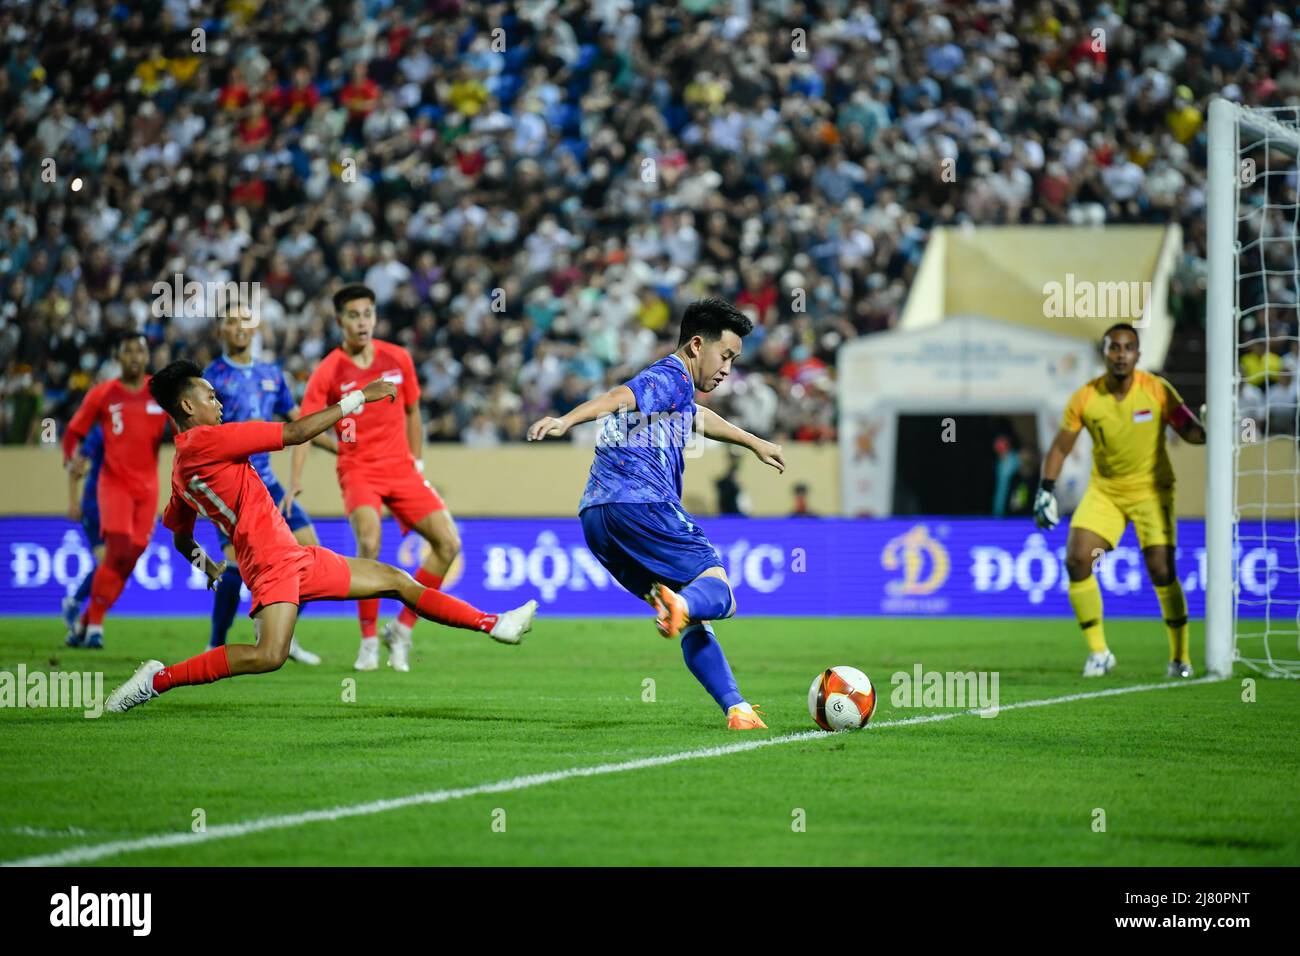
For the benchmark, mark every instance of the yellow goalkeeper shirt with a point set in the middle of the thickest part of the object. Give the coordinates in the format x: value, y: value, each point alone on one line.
x: 1128, y: 435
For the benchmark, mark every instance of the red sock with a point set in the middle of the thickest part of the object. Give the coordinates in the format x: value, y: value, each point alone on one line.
x: 368, y: 615
x: 120, y: 555
x: 443, y: 608
x: 202, y: 669
x: 429, y: 580
x: 105, y: 588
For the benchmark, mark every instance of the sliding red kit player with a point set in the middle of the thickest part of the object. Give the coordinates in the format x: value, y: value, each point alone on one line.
x: 211, y: 476
x: 133, y: 425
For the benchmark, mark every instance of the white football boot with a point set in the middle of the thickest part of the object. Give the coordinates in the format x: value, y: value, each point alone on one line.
x: 138, y: 690
x: 397, y: 638
x: 1179, y: 669
x: 300, y: 654
x: 368, y: 655
x: 513, y: 625
x: 1099, y: 665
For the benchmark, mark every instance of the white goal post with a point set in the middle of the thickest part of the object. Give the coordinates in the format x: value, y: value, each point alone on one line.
x: 1252, y: 509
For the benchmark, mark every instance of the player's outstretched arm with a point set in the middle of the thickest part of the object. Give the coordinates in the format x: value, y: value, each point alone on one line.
x: 323, y: 440
x: 713, y: 425
x: 309, y: 426
x: 620, y: 399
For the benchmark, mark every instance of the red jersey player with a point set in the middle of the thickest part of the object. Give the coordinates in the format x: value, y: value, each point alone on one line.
x: 133, y: 424
x: 211, y: 476
x: 379, y: 463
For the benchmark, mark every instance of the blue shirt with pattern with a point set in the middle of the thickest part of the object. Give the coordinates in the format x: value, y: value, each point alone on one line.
x: 256, y: 392
x: 640, y: 454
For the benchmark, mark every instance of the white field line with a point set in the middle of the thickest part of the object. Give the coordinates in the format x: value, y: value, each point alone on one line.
x: 224, y: 831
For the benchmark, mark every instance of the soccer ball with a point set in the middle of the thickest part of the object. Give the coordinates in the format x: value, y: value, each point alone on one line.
x: 841, y: 698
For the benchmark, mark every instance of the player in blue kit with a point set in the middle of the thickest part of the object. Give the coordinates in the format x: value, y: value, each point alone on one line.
x: 253, y: 391
x: 84, y: 508
x: 631, y: 511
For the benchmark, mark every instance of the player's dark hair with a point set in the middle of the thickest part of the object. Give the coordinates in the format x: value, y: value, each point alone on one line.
x: 125, y: 337
x: 354, y: 290
x: 169, y: 386
x: 709, y: 318
x: 1119, y: 327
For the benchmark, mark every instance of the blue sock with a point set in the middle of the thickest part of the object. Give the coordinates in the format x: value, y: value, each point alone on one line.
x: 706, y: 661
x: 225, y: 605
x: 709, y: 599
x: 83, y: 589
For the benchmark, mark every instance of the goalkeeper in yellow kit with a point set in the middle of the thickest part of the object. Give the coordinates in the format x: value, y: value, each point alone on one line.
x: 1125, y: 412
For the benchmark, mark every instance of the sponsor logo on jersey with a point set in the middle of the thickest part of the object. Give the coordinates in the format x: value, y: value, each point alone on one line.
x: 346, y: 386
x: 1142, y: 415
x: 153, y: 408
x: 268, y: 385
x: 395, y: 377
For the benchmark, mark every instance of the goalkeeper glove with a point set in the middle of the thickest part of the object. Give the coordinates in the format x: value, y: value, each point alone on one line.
x: 1045, y: 515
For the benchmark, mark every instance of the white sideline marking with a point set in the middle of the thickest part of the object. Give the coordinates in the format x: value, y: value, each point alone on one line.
x: 98, y: 851
x: 48, y: 832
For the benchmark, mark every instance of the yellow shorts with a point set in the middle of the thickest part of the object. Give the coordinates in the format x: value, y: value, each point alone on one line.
x: 1107, y: 515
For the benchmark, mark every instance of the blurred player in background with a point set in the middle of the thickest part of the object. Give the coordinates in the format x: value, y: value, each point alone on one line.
x: 631, y: 511
x: 212, y: 475
x: 1125, y: 411
x: 250, y: 391
x: 83, y: 507
x: 379, y: 463
x: 132, y: 424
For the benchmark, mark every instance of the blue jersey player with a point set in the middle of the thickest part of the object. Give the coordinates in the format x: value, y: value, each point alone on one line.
x: 252, y: 391
x: 84, y: 508
x: 631, y: 511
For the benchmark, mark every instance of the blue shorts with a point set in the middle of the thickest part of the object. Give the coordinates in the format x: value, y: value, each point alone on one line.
x: 641, y: 543
x: 297, y: 518
x: 90, y: 521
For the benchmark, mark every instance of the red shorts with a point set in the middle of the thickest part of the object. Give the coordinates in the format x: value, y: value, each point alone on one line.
x: 403, y: 489
x: 303, y: 574
x: 126, y: 510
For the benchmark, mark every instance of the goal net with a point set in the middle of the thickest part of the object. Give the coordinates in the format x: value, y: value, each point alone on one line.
x: 1252, y: 383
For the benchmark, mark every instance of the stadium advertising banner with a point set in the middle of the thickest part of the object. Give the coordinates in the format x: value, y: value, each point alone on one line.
x: 922, y: 567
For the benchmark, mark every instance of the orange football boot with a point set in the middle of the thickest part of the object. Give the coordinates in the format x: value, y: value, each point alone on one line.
x: 737, y: 719
x: 670, y: 610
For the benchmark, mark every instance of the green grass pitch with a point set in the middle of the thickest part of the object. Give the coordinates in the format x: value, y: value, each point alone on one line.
x: 1191, y: 775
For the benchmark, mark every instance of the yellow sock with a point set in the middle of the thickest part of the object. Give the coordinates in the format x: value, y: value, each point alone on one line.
x: 1085, y: 598
x: 1174, y: 607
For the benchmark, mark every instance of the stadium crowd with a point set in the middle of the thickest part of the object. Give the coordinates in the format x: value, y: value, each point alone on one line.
x: 535, y: 189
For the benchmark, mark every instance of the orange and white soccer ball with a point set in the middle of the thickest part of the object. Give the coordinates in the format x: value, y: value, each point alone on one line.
x: 841, y: 698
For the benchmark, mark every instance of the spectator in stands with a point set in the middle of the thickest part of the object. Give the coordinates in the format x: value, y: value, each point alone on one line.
x: 597, y: 168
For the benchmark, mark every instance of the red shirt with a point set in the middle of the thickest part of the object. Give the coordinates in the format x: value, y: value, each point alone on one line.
x: 255, y: 131
x: 763, y: 301
x: 211, y: 476
x: 360, y: 98
x: 376, y: 439
x: 133, y: 425
x: 233, y: 97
